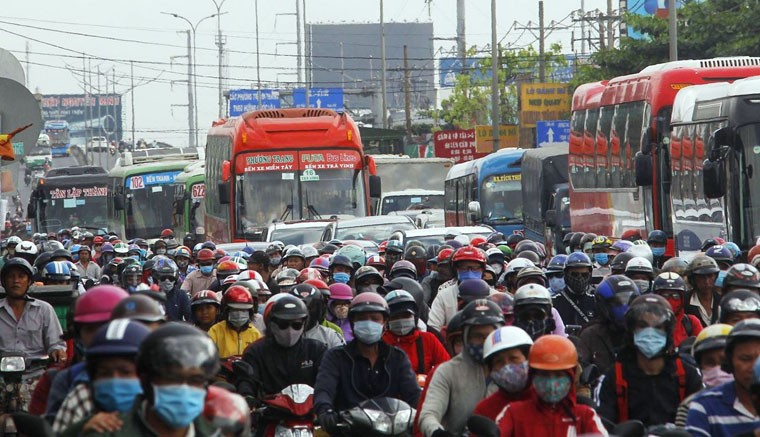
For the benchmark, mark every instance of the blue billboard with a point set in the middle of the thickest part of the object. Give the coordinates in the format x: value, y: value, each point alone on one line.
x: 450, y: 68
x: 658, y: 8
x: 330, y: 98
x: 550, y: 132
x: 242, y: 101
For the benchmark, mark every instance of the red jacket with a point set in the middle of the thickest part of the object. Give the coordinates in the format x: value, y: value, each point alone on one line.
x: 534, y: 417
x: 494, y: 404
x: 432, y: 348
x: 680, y: 334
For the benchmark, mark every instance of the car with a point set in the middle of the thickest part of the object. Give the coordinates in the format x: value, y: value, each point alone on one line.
x: 97, y: 144
x: 234, y: 247
x: 375, y: 228
x: 297, y: 232
x: 431, y: 236
x: 425, y: 218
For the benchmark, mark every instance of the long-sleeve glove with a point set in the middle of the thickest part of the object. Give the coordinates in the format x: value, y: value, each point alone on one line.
x: 329, y: 422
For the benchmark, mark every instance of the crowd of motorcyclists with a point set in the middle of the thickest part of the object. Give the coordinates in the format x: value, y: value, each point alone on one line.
x: 173, y: 337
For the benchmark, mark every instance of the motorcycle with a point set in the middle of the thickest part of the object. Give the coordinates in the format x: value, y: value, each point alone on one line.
x: 19, y: 375
x: 378, y: 417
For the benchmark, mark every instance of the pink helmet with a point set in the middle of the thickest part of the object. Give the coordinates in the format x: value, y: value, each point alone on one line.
x: 96, y: 305
x: 340, y: 291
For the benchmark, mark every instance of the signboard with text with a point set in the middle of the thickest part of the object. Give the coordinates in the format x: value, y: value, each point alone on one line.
x: 543, y: 101
x: 549, y: 132
x: 508, y: 137
x: 242, y: 101
x: 291, y: 161
x: 90, y: 115
x: 458, y: 145
x: 141, y: 181
x: 330, y: 98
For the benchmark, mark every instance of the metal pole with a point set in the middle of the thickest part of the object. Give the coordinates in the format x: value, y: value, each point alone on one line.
x: 195, y: 87
x: 384, y: 67
x: 672, y: 31
x: 610, y: 28
x: 407, y: 99
x: 307, y: 50
x: 299, y: 59
x: 221, y: 54
x: 190, y: 96
x: 583, y: 27
x: 132, y: 104
x: 258, y: 62
x: 461, y: 37
x: 495, y: 78
x: 100, y: 122
x: 541, y: 38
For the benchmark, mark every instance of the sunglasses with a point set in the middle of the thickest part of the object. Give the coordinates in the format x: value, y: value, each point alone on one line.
x: 166, y: 278
x: 284, y: 324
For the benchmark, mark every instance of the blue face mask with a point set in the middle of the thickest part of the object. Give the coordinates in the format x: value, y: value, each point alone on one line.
x: 658, y: 251
x: 721, y: 277
x: 463, y: 275
x: 367, y: 331
x: 475, y: 352
x: 552, y: 388
x: 178, y: 405
x: 206, y: 270
x: 275, y: 261
x: 341, y: 277
x: 116, y: 394
x: 601, y: 258
x: 556, y: 283
x: 650, y: 341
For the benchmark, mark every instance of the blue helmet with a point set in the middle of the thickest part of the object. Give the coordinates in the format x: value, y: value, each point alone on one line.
x: 721, y: 254
x: 557, y: 263
x: 57, y: 271
x: 730, y: 245
x: 577, y: 259
x: 613, y: 296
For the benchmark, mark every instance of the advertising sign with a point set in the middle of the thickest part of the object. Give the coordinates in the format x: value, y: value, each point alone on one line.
x: 242, y: 101
x: 450, y: 68
x: 543, y: 101
x: 508, y: 137
x: 74, y: 192
x: 88, y: 116
x: 458, y: 145
x: 658, y: 8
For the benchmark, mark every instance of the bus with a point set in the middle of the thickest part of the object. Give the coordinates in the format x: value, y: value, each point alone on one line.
x: 486, y: 191
x: 402, y: 173
x: 714, y: 146
x: 621, y: 181
x: 68, y: 197
x: 284, y: 164
x: 58, y: 132
x: 189, y: 206
x: 142, y: 183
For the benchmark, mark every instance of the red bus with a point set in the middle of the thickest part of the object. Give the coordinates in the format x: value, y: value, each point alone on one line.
x: 284, y: 164
x: 629, y: 184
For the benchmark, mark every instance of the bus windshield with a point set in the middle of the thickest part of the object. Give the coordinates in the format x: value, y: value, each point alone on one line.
x: 149, y: 206
x: 750, y: 141
x: 408, y: 202
x: 58, y: 136
x: 73, y: 206
x: 501, y: 199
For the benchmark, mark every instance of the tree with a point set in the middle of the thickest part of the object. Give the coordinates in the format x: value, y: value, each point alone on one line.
x: 470, y: 102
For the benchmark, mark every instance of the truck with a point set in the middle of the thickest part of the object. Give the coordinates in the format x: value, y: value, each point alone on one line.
x: 400, y: 172
x: 545, y: 196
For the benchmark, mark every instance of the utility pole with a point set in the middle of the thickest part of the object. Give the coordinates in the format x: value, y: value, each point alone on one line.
x: 299, y: 60
x: 26, y: 76
x: 610, y: 27
x: 495, y: 116
x: 220, y: 45
x: 190, y: 96
x: 541, y: 40
x: 407, y: 98
x: 583, y: 27
x: 307, y: 49
x: 461, y: 39
x: 672, y: 31
x: 258, y: 59
x: 132, y: 97
x: 384, y: 67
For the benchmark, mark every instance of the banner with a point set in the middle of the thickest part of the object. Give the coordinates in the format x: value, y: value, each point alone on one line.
x: 458, y: 145
x: 508, y: 137
x: 543, y: 101
x: 87, y: 116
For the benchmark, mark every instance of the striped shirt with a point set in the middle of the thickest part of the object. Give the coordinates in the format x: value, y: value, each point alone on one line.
x: 717, y: 412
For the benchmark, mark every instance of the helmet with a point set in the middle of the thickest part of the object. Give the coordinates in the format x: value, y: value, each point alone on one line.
x: 444, y: 255
x: 639, y: 265
x: 657, y: 237
x: 394, y: 246
x: 132, y: 269
x: 238, y: 297
x: 531, y: 272
x: 642, y: 250
x: 376, y: 261
x: 287, y: 277
x: 27, y: 247
x: 471, y: 289
x: 75, y: 248
x: 354, y: 253
x: 121, y: 249
x: 252, y: 286
x: 293, y: 252
x: 320, y: 284
x: 525, y: 245
x: 322, y: 264
x: 669, y: 281
x: 106, y: 248
x: 650, y: 304
x: 469, y: 253
x: 631, y: 235
x: 676, y: 265
x: 557, y: 264
x: 368, y: 302
x: 553, y: 352
x: 578, y: 259
x: 177, y: 345
x: 415, y: 252
x: 403, y: 268
x: 575, y: 241
x: 205, y: 296
x: 482, y: 312
x: 308, y: 273
x: 720, y: 254
x: 495, y: 237
x: 368, y: 272
x: 494, y: 255
x: 711, y: 337
x: 139, y: 307
x: 739, y: 301
x: 340, y: 291
x: 621, y: 245
x: 746, y: 329
x: 477, y: 241
x: 182, y: 251
x: 164, y: 266
x: 455, y: 326
x: 227, y: 268
x: 117, y: 337
x: 274, y: 248
x: 506, y: 337
x: 613, y: 295
x: 401, y: 301
x: 507, y: 304
x: 601, y: 242
x: 516, y: 265
x: 98, y: 240
x: 285, y: 307
x: 57, y: 271
x: 742, y: 276
x: 710, y: 242
x: 530, y: 256
x: 205, y: 255
x: 703, y: 265
x: 532, y: 294
x: 62, y: 253
x: 513, y: 239
x: 96, y: 305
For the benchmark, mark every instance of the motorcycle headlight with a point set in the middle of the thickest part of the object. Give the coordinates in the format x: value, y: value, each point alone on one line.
x: 281, y: 431
x: 380, y: 421
x: 12, y: 364
x: 402, y: 420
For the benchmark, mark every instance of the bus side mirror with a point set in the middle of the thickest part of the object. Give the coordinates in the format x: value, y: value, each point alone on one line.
x: 551, y: 218
x: 31, y: 210
x: 224, y: 193
x: 713, y: 178
x: 643, y: 167
x: 226, y: 172
x: 374, y: 186
x: 119, y: 202
x: 474, y: 209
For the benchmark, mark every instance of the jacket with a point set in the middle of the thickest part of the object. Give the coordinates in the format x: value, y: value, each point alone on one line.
x: 277, y: 367
x: 684, y: 321
x: 445, y: 305
x: 231, y: 341
x: 344, y: 325
x: 688, y: 308
x: 534, y: 417
x: 494, y: 405
x: 328, y: 337
x: 432, y: 349
x: 430, y: 287
x: 598, y: 344
x: 346, y: 379
x: 178, y: 306
x: 566, y: 302
x: 197, y: 281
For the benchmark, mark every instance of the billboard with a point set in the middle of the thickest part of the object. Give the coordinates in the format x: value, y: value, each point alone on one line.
x: 88, y: 116
x: 509, y: 136
x: 658, y: 8
x: 543, y: 101
x: 330, y: 98
x: 450, y: 68
x: 458, y: 145
x: 242, y: 101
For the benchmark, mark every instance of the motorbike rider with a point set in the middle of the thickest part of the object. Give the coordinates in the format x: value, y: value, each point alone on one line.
x: 648, y: 380
x: 670, y: 286
x: 341, y: 270
x: 131, y: 277
x: 182, y: 257
x: 204, y: 277
x: 657, y: 241
x: 140, y: 308
x: 367, y: 279
x: 739, y: 276
x: 314, y: 301
x: 235, y: 331
x: 205, y: 306
x: 533, y: 311
x: 394, y: 252
x: 575, y: 303
x: 442, y: 274
x: 294, y: 259
x: 555, y: 273
x: 459, y: 384
x: 86, y: 265
x: 603, y: 255
x: 703, y: 300
x: 177, y: 302
x: 113, y: 384
x: 640, y: 270
x: 337, y: 308
x: 363, y: 369
x: 739, y: 305
x: 424, y: 349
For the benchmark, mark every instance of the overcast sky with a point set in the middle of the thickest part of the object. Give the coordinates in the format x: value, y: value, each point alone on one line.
x: 116, y: 32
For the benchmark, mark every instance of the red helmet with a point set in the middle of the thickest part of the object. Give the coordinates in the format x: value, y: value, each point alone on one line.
x: 238, y: 297
x: 469, y: 253
x: 167, y: 233
x: 376, y: 261
x: 97, y: 240
x: 320, y: 284
x: 227, y: 267
x: 308, y: 273
x: 205, y: 296
x: 381, y: 247
x: 219, y: 253
x: 96, y: 305
x: 227, y: 411
x: 444, y: 255
x: 477, y: 241
x: 205, y: 255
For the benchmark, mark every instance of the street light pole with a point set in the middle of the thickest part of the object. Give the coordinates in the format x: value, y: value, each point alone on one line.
x: 220, y: 44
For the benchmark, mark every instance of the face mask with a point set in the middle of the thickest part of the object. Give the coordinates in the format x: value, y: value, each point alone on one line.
x: 567, y: 250
x: 469, y: 274
x: 238, y: 318
x: 715, y: 376
x: 275, y: 261
x: 260, y: 309
x: 556, y: 283
x: 677, y: 305
x: 721, y: 277
x: 367, y: 331
x: 341, y: 277
x: 577, y: 284
x: 206, y: 270
x: 512, y: 378
x: 650, y: 341
x: 643, y: 285
x: 116, y: 394
x: 401, y: 327
x: 552, y: 389
x: 498, y: 267
x: 178, y: 405
x: 368, y: 288
x: 166, y: 285
x: 534, y: 328
x: 601, y: 258
x: 182, y: 264
x: 658, y: 251
x: 285, y: 337
x: 160, y: 251
x: 340, y: 311
x: 475, y: 352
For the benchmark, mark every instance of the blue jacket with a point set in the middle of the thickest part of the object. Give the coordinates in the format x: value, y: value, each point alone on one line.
x: 345, y: 379
x: 712, y: 413
x: 178, y: 306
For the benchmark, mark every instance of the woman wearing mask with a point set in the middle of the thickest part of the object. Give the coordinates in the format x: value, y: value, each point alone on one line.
x: 341, y: 270
x: 337, y: 308
x: 235, y: 332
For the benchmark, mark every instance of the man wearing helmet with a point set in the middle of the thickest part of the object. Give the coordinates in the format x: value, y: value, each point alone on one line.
x: 164, y: 275
x: 235, y: 331
x: 363, y: 369
x: 703, y: 300
x: 575, y: 302
x: 89, y: 268
x: 437, y: 277
x: 204, y: 277
x: 673, y: 289
x: 739, y: 305
x: 205, y: 306
x: 315, y: 327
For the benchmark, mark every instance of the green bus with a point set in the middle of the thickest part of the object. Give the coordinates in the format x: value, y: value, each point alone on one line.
x: 143, y: 187
x: 189, y: 206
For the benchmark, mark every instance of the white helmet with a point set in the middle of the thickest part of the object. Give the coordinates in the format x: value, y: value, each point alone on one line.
x: 639, y: 265
x: 641, y: 250
x: 506, y: 337
x: 532, y: 294
x: 12, y: 240
x: 26, y: 247
x: 248, y: 275
x: 518, y: 264
x: 464, y: 239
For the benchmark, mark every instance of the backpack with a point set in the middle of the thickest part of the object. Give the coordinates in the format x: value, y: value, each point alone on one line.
x: 621, y: 388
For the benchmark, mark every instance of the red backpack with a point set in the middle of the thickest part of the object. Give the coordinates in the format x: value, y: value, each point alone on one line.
x: 621, y: 388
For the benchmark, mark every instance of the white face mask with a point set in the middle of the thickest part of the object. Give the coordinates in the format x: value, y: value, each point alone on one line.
x: 238, y: 318
x: 401, y: 327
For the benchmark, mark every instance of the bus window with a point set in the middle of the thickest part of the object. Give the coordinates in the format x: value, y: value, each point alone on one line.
x: 687, y: 164
x: 604, y: 134
x: 676, y: 172
x: 637, y: 113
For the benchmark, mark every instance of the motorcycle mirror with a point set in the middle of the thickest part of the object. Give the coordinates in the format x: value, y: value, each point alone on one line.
x: 630, y: 428
x: 482, y: 426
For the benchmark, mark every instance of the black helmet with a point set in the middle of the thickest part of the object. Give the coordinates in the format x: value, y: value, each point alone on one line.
x: 525, y: 245
x: 530, y: 273
x: 650, y: 304
x: 742, y: 276
x: 164, y: 266
x: 575, y: 241
x: 620, y: 261
x: 614, y: 295
x: 482, y: 312
x: 19, y: 263
x: 294, y: 252
x: 415, y: 252
x: 286, y: 307
x: 472, y: 289
x: 176, y: 345
x: 744, y: 330
x: 566, y: 239
x: 341, y: 260
x: 513, y: 239
x: 658, y: 237
x: 139, y: 307
x: 676, y: 265
x: 710, y: 242
x: 529, y: 255
x: 401, y: 301
x: 587, y: 238
x: 669, y: 281
x: 739, y: 301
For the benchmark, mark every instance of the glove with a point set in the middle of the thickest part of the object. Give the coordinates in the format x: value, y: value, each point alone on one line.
x: 329, y: 422
x: 442, y: 433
